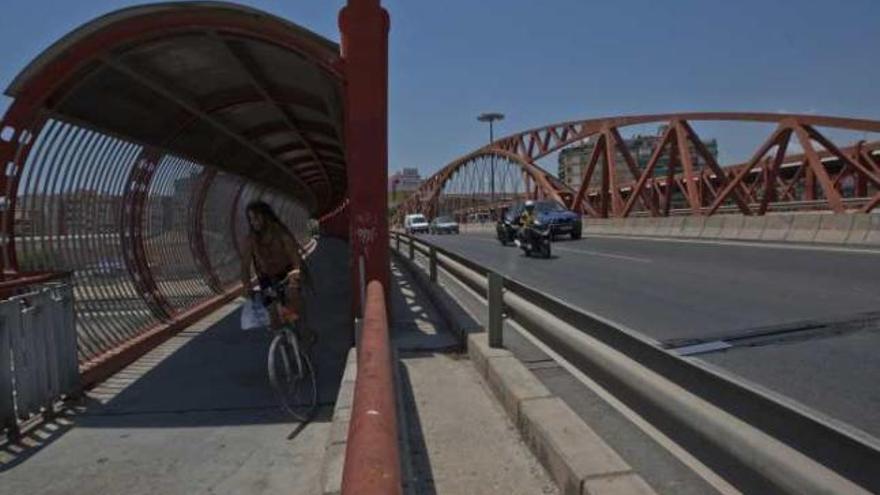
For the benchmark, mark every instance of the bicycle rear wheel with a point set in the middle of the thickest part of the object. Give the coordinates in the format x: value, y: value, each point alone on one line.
x: 292, y: 376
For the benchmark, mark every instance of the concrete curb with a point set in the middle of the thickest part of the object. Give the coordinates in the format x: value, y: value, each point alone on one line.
x: 578, y: 460
x: 337, y: 439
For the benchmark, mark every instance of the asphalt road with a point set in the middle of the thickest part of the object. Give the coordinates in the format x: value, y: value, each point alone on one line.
x: 684, y: 292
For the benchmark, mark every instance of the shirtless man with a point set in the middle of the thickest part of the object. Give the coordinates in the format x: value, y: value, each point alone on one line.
x: 275, y: 254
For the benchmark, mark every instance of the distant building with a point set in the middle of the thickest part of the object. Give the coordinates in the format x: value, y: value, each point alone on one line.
x: 573, y: 161
x: 402, y: 183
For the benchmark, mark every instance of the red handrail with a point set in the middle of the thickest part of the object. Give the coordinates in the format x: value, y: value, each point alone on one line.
x: 372, y: 457
x: 19, y: 280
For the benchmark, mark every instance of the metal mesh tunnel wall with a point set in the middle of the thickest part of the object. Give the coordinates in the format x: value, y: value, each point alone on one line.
x: 146, y: 235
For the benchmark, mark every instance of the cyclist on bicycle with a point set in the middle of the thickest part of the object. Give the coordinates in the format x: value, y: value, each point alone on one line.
x: 276, y: 257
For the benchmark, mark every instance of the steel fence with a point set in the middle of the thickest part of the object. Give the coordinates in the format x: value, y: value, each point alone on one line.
x: 38, y: 357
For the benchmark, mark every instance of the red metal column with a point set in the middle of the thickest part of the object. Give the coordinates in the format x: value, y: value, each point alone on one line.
x: 364, y: 25
x: 134, y: 201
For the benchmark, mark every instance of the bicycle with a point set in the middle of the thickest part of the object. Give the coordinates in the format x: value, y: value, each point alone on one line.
x: 291, y: 373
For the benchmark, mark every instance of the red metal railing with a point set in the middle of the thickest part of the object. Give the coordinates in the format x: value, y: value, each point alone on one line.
x: 372, y: 458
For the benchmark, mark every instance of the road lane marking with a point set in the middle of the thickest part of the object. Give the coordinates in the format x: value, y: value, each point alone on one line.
x: 607, y: 255
x: 579, y: 251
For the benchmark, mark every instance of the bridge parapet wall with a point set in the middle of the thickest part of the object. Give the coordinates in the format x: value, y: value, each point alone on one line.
x: 857, y: 229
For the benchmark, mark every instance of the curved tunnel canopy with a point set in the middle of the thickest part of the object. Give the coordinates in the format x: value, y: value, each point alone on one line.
x: 221, y: 84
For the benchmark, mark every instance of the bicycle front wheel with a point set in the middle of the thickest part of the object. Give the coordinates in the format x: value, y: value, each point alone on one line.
x: 292, y: 376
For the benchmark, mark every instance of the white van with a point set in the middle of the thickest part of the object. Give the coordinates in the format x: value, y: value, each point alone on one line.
x: 415, y: 223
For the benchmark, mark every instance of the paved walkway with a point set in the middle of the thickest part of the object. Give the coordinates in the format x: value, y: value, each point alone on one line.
x: 457, y: 438
x: 195, y: 415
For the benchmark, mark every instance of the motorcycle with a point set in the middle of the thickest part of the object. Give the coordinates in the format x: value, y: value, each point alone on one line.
x: 534, y: 240
x: 507, y: 232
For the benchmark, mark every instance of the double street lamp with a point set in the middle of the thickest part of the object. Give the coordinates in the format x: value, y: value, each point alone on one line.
x: 491, y: 117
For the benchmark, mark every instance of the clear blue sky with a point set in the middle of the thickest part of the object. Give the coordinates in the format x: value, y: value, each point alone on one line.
x: 554, y: 60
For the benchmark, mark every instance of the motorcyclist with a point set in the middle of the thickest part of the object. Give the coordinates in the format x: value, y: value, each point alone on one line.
x: 527, y: 221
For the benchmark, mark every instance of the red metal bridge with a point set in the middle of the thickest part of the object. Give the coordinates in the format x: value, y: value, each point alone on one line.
x: 133, y: 144
x: 822, y: 175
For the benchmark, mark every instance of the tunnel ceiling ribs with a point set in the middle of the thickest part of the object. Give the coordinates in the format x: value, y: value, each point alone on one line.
x: 223, y: 85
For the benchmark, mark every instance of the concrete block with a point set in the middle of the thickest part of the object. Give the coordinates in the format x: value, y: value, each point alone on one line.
x: 803, y: 227
x: 712, y: 227
x: 861, y: 226
x: 731, y: 226
x: 872, y: 237
x: 331, y: 473
x: 514, y: 384
x: 676, y: 225
x: 752, y: 228
x: 653, y: 226
x: 569, y: 449
x: 776, y: 227
x: 833, y: 229
x: 625, y: 484
x: 637, y: 225
x: 693, y: 227
x: 480, y: 353
x: 664, y: 227
x: 624, y: 226
x: 339, y: 426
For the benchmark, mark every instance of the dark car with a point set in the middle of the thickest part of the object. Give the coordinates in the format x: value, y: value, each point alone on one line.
x: 551, y: 214
x: 443, y: 225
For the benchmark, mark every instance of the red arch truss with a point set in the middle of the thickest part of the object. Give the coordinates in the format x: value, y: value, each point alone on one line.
x: 814, y: 176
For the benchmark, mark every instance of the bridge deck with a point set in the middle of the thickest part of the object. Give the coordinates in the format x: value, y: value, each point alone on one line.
x: 195, y: 415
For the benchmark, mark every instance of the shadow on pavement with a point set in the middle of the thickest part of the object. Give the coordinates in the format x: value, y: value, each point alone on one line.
x: 214, y: 374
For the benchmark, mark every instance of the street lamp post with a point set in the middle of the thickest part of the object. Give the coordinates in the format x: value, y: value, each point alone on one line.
x: 491, y: 117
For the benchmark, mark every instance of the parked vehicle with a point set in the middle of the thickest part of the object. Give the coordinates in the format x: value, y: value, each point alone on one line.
x: 556, y: 217
x: 443, y: 225
x: 415, y: 223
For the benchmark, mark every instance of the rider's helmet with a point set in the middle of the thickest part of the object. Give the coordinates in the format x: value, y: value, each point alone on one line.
x: 530, y: 205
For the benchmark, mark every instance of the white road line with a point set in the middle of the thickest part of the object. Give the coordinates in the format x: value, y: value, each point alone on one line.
x: 607, y: 255
x: 579, y: 251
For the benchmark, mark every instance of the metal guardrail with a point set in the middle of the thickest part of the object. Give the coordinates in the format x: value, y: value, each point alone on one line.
x: 372, y: 455
x: 38, y: 352
x: 791, y: 448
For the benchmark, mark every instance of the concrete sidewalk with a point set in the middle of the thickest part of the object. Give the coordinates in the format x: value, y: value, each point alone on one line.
x: 195, y: 415
x: 455, y: 436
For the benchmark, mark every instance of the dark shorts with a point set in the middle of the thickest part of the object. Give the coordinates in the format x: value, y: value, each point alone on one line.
x: 272, y: 289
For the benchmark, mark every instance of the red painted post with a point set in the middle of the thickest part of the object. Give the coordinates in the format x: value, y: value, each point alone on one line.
x: 364, y: 26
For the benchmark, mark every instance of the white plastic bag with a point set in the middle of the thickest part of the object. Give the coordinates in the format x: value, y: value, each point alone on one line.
x: 254, y: 315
